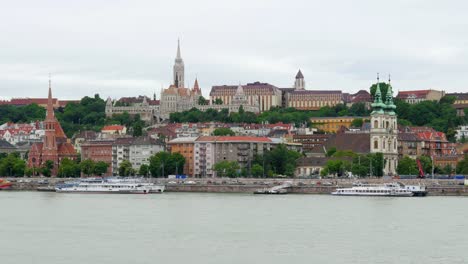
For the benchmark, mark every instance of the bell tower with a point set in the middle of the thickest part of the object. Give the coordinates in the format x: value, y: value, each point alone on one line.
x: 50, y: 149
x: 179, y: 69
x: 384, y: 131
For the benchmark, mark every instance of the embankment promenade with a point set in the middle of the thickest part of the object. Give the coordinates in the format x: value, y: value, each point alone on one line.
x: 249, y: 185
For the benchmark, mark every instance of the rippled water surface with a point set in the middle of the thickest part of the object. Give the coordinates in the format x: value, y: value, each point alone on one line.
x: 54, y: 228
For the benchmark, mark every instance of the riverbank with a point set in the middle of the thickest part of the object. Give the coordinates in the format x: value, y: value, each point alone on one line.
x: 243, y: 185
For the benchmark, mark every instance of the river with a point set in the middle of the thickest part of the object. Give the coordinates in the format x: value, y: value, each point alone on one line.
x: 57, y: 228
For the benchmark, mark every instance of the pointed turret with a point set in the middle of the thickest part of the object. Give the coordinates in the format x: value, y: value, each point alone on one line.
x: 299, y: 75
x: 178, y: 57
x: 50, y: 103
x: 196, y: 87
x: 299, y: 83
x: 389, y: 105
x: 378, y: 105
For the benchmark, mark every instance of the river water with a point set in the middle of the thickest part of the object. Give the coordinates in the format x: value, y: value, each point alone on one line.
x: 57, y: 228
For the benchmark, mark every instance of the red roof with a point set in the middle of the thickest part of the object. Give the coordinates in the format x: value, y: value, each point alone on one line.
x: 243, y: 138
x: 417, y: 94
x: 113, y: 127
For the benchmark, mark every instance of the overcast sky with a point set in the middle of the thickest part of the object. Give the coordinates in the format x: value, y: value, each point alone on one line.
x: 127, y: 48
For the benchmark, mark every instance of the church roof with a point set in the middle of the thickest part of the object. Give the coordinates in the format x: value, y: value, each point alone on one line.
x: 65, y: 149
x: 5, y: 144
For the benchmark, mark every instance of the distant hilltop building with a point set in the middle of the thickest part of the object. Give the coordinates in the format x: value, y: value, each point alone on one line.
x: 461, y: 102
x: 55, y: 145
x: 417, y: 96
x: 303, y: 99
x: 265, y: 94
x: 178, y: 98
x: 142, y: 105
x: 43, y: 102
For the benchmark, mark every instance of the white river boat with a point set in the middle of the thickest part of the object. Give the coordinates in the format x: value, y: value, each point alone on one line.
x: 110, y: 186
x: 386, y: 189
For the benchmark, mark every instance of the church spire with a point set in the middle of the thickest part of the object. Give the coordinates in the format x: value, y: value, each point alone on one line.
x: 378, y: 105
x: 390, y: 106
x: 178, y: 50
x: 50, y: 103
x: 179, y: 69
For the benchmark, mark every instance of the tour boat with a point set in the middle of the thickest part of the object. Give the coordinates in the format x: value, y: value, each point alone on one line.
x: 108, y: 186
x: 386, y: 189
x: 4, y: 184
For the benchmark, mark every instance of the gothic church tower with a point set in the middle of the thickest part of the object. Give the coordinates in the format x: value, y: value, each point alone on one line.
x: 384, y: 131
x: 179, y: 69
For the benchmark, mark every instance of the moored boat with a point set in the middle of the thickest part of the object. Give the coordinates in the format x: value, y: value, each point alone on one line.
x: 4, y: 184
x: 105, y: 186
x: 386, y: 189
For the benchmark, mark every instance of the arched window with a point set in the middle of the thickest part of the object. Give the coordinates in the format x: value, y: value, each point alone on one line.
x: 376, y: 124
x: 376, y: 144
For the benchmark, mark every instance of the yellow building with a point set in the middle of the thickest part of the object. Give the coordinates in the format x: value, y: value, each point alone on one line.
x: 184, y: 146
x: 333, y: 124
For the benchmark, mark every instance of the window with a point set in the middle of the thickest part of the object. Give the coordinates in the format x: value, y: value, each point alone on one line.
x: 376, y: 124
x: 376, y: 144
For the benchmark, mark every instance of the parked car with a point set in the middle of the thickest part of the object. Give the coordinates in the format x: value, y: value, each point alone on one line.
x: 190, y: 182
x: 43, y: 182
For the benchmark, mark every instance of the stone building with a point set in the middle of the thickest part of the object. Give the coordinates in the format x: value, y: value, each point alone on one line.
x: 310, y: 166
x: 409, y: 145
x: 384, y: 131
x: 303, y: 99
x: 148, y: 110
x: 417, y: 96
x: 334, y: 124
x: 55, y: 145
x: 6, y: 147
x: 98, y: 150
x: 461, y: 102
x: 137, y: 150
x: 263, y: 94
x: 309, y: 142
x: 209, y: 150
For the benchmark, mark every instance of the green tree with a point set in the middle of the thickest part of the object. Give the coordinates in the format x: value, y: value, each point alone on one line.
x: 407, y: 166
x: 447, y: 170
x: 100, y: 168
x: 227, y: 168
x: 69, y: 168
x: 144, y: 170
x: 426, y: 163
x: 331, y: 151
x: 125, y: 168
x: 137, y: 129
x: 462, y: 166
x: 87, y: 167
x: 357, y: 122
x: 12, y: 165
x: 281, y: 160
x: 47, y: 168
x: 223, y: 131
x: 257, y: 171
x: 218, y: 101
x: 164, y: 163
x: 202, y: 100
